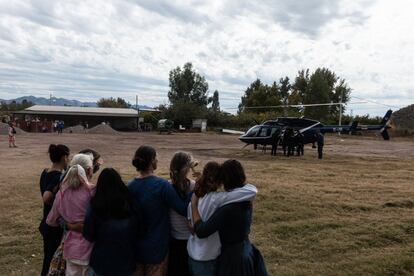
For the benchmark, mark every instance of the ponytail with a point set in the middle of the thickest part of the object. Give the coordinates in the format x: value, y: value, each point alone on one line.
x: 56, y: 152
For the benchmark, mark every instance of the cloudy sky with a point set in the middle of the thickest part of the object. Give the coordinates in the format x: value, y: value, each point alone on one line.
x: 90, y: 49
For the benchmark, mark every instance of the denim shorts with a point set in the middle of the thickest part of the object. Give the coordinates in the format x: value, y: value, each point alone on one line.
x: 202, y: 268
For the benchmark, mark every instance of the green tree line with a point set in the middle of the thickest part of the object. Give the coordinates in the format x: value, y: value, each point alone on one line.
x: 15, y: 106
x: 189, y: 99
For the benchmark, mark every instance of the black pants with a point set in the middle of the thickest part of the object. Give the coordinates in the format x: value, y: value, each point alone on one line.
x: 300, y: 149
x: 52, y: 236
x: 290, y: 150
x: 320, y: 151
x: 178, y: 258
x: 274, y: 149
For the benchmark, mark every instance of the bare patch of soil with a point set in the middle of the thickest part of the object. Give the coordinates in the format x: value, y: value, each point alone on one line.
x: 350, y: 213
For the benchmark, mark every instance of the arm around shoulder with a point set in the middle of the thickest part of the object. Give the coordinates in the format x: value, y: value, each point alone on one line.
x: 204, y: 229
x: 89, y: 225
x: 246, y: 193
x: 173, y: 200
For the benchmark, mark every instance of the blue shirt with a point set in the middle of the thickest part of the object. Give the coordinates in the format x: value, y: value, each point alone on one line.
x: 155, y: 196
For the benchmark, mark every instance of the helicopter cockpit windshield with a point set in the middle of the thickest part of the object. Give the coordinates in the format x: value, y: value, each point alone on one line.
x: 253, y: 131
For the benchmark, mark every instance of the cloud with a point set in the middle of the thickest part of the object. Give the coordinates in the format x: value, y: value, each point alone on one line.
x: 39, y: 12
x: 89, y: 49
x: 305, y: 17
x: 172, y: 9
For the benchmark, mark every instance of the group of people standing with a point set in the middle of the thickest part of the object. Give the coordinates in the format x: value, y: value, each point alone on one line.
x: 293, y: 141
x: 58, y: 126
x: 151, y: 226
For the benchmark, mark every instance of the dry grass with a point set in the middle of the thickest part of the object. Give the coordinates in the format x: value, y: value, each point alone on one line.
x: 351, y: 213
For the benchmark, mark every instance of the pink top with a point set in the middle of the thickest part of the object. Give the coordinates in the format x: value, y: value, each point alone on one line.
x: 71, y: 205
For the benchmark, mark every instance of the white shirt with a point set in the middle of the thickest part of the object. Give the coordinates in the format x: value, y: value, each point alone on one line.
x: 209, y: 248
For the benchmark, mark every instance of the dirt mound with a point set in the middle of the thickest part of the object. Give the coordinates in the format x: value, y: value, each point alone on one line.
x: 400, y: 204
x: 403, y: 119
x: 4, y: 129
x: 74, y: 129
x: 102, y: 129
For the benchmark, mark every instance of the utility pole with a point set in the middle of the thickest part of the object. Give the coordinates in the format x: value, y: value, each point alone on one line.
x: 340, y: 112
x: 136, y: 106
x: 340, y: 108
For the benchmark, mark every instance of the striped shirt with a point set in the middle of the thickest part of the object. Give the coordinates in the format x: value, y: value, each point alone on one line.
x: 179, y: 224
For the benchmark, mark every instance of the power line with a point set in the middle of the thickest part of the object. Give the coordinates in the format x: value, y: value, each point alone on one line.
x: 375, y: 102
x: 300, y: 105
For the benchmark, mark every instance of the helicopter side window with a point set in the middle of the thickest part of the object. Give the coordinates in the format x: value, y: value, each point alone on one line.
x: 268, y: 132
x: 274, y: 129
x: 264, y: 132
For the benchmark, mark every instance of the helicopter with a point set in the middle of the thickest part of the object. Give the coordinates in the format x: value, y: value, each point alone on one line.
x: 264, y: 134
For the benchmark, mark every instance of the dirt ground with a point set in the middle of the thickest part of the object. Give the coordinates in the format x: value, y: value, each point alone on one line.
x: 350, y: 213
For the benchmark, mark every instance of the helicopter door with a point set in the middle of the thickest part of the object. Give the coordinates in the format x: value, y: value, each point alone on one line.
x: 274, y: 129
x: 264, y: 132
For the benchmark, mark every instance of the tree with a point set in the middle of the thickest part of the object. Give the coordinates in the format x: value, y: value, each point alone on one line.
x: 341, y: 93
x: 325, y: 87
x: 215, y: 104
x: 259, y: 94
x: 112, y: 102
x: 322, y: 86
x: 15, y: 106
x: 188, y: 95
x: 187, y: 86
x: 25, y: 104
x: 285, y: 87
x: 299, y: 87
x: 284, y: 84
x: 183, y: 113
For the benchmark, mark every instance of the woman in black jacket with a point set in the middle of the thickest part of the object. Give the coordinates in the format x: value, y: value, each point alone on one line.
x: 232, y: 221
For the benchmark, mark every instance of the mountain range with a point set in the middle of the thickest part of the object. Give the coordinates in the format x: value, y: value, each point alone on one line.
x: 58, y: 102
x: 50, y: 101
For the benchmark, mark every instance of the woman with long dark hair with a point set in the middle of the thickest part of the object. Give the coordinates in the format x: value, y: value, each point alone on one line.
x: 49, y: 185
x: 113, y: 223
x: 156, y: 197
x: 232, y: 221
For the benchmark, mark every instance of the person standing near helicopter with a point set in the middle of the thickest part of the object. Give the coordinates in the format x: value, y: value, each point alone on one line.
x: 320, y: 140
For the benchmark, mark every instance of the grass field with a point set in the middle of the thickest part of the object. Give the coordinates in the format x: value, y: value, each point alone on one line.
x: 351, y: 213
